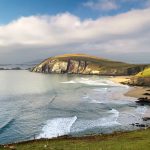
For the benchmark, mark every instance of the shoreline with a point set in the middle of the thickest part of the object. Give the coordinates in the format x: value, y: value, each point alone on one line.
x: 111, y: 141
x: 134, y: 91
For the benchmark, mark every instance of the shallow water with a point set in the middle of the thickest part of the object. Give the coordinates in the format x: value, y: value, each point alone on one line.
x: 36, y: 105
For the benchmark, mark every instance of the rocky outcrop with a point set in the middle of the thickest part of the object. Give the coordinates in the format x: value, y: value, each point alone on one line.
x: 139, y: 81
x: 85, y: 64
x: 70, y: 66
x: 143, y: 101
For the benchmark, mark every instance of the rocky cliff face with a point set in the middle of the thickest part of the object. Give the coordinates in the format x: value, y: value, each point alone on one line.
x: 86, y: 65
x: 70, y: 66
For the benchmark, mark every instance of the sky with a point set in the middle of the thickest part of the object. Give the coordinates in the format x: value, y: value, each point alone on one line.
x: 37, y: 29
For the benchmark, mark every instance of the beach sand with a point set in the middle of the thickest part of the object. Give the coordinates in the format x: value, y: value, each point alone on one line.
x: 120, y: 79
x: 136, y: 91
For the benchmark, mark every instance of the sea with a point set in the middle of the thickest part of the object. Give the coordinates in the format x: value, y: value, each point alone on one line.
x: 35, y: 105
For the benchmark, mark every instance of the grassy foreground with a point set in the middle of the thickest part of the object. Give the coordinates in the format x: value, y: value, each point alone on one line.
x: 135, y: 140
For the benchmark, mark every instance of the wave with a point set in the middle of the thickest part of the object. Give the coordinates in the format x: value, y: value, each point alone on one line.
x: 57, y: 127
x: 141, y: 110
x: 100, y: 89
x: 92, y: 82
x: 132, y: 116
x: 108, y: 121
x: 126, y: 118
x: 6, y: 125
x: 69, y: 82
x: 96, y: 101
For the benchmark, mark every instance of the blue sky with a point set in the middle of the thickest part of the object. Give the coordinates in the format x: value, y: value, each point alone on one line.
x: 13, y: 9
x: 37, y: 29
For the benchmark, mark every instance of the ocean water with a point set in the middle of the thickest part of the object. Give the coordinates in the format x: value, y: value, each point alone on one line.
x: 34, y: 105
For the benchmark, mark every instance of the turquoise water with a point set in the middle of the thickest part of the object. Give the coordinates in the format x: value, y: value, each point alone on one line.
x: 34, y: 105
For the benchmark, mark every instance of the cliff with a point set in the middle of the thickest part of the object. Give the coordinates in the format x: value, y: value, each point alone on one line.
x: 86, y: 64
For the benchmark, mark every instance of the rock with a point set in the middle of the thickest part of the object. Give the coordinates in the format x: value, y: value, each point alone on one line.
x: 143, y: 101
x: 146, y: 118
x: 139, y: 125
x: 58, y: 67
x: 139, y: 81
x: 85, y: 64
x: 146, y: 94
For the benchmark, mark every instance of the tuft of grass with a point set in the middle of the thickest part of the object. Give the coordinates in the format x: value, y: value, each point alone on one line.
x: 135, y: 140
x: 144, y: 73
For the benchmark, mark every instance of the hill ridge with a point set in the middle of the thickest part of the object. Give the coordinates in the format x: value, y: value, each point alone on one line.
x: 86, y: 64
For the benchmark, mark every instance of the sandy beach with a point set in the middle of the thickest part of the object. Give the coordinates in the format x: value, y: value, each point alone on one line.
x: 120, y: 79
x: 136, y: 91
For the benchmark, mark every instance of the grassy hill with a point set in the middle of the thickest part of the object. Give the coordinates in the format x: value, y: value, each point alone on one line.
x: 86, y: 64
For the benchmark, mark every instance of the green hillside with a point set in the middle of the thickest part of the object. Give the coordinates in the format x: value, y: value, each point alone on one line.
x: 144, y: 73
x: 86, y: 64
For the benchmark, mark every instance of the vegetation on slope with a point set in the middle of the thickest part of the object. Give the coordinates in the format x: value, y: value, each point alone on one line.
x: 144, y: 73
x: 135, y: 140
x: 86, y: 64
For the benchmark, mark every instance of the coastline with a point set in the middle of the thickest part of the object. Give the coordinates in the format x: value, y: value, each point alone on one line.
x: 134, y: 91
x: 120, y: 79
x: 93, y: 139
x: 138, y: 139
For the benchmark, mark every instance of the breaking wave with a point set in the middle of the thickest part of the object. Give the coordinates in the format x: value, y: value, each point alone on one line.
x: 141, y: 110
x: 93, y: 82
x: 57, y: 127
x: 108, y: 121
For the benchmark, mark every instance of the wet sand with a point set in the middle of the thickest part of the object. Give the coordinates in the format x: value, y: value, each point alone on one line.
x: 136, y: 91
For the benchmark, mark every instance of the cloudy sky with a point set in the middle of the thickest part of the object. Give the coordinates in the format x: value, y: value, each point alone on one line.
x: 36, y: 29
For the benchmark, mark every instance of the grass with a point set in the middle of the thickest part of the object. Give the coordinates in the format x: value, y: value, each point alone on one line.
x: 135, y: 140
x: 145, y: 73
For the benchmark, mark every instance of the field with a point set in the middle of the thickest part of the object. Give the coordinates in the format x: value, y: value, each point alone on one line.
x: 135, y: 140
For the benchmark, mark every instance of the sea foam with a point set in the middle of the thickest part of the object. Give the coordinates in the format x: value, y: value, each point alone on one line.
x: 92, y: 82
x: 108, y: 121
x: 141, y: 110
x: 57, y: 127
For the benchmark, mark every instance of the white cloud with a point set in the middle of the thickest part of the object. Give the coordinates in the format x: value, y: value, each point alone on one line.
x: 124, y: 33
x: 104, y: 5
